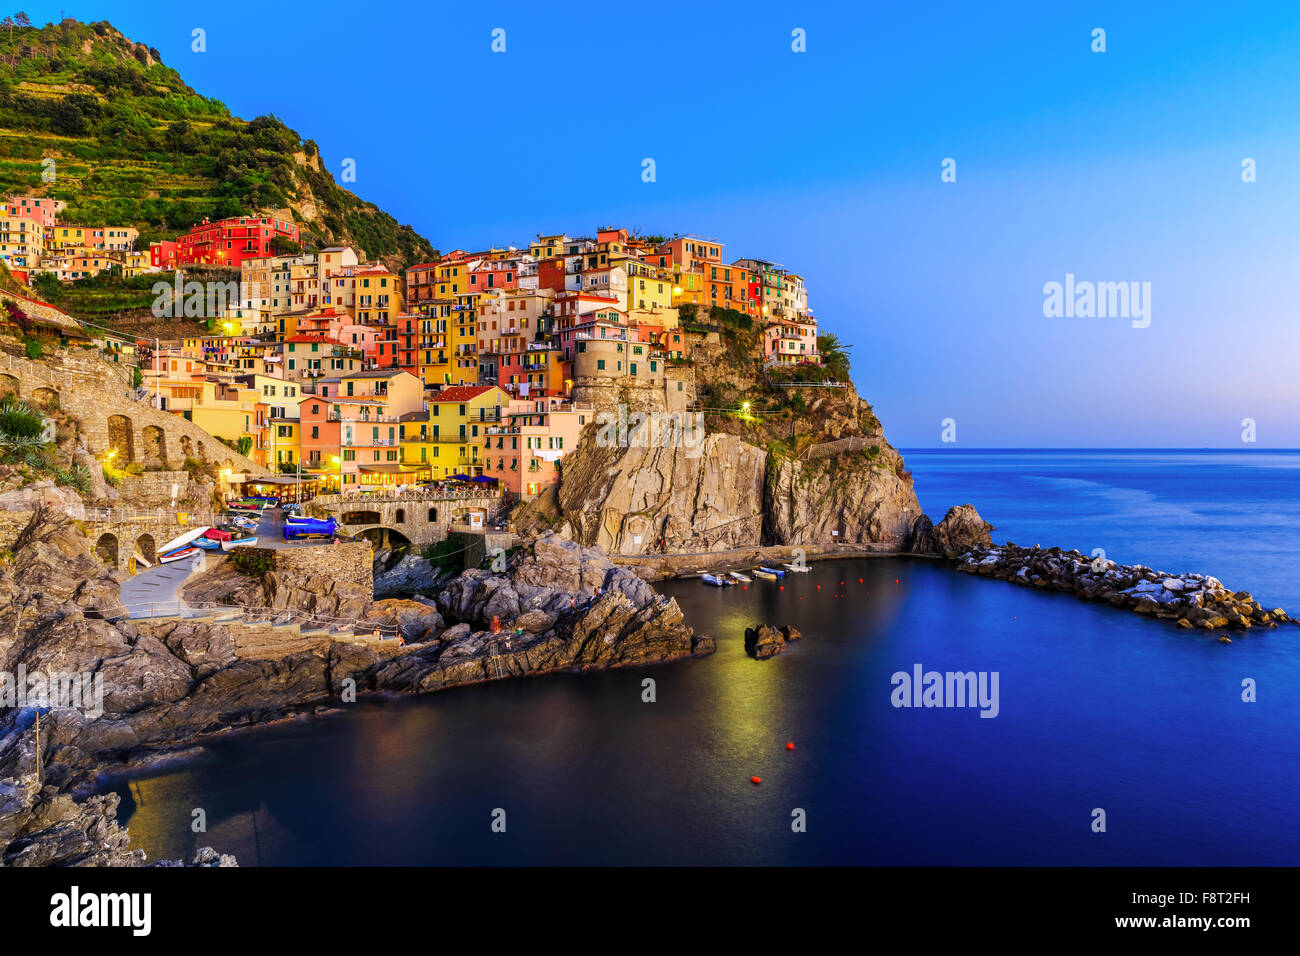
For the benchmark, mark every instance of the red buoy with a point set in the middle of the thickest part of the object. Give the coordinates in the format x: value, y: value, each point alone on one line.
x: 790, y: 745
x: 756, y: 779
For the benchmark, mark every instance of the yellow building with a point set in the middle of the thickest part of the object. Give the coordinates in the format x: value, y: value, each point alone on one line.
x: 449, y: 436
x: 547, y: 247
x: 648, y: 287
x: 433, y: 358
x: 22, y: 242
x: 377, y: 294
x: 136, y: 264
x: 283, y: 443
x: 463, y: 339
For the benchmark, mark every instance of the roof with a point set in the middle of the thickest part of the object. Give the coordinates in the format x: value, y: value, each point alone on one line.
x: 382, y: 469
x: 460, y: 393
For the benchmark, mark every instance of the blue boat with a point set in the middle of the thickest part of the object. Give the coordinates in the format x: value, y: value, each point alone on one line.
x: 309, y: 526
x: 779, y: 572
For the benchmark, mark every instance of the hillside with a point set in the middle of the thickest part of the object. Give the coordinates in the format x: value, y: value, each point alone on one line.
x: 134, y: 145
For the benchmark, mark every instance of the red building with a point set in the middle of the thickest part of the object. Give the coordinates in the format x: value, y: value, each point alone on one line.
x: 227, y: 242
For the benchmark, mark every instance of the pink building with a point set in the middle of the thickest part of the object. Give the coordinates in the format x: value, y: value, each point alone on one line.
x: 525, y: 450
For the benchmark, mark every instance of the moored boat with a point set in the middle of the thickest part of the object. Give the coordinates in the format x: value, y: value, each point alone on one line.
x: 797, y: 568
x: 764, y: 574
x: 778, y: 572
x: 238, y: 543
x: 740, y: 577
x: 717, y: 580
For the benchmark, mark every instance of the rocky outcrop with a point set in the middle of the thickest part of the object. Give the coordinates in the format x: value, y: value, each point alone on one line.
x: 1193, y: 600
x: 645, y: 500
x: 636, y: 500
x: 405, y: 576
x: 166, y: 682
x: 961, y: 529
x: 848, y: 498
x: 765, y: 641
x: 42, y: 827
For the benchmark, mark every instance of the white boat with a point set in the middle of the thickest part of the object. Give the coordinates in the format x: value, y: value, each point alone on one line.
x: 740, y: 578
x: 716, y: 580
x: 238, y: 543
x: 797, y: 568
x: 176, y: 555
x: 140, y: 560
x: 184, y: 539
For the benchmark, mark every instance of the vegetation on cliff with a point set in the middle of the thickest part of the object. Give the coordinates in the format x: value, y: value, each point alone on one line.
x: 132, y: 144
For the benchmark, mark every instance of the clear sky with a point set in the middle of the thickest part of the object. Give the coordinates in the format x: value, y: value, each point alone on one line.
x: 1122, y: 166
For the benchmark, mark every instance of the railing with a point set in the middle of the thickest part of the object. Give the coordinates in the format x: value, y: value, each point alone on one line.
x: 194, y: 519
x: 414, y: 494
x: 258, y: 614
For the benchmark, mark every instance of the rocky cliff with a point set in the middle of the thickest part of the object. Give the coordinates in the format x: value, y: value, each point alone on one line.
x: 734, y: 489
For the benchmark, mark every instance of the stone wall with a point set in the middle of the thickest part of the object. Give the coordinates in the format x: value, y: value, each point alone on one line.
x: 113, y: 419
x: 422, y: 521
x: 346, y: 562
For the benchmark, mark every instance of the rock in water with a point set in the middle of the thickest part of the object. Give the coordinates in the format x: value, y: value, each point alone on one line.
x: 766, y: 641
x: 961, y: 529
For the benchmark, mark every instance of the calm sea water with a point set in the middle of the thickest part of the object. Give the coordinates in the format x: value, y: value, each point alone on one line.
x: 1098, y: 709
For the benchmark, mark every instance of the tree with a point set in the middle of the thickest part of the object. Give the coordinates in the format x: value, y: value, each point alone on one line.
x: 835, y: 356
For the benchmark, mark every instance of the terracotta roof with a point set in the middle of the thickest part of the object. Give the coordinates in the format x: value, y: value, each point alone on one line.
x: 460, y: 393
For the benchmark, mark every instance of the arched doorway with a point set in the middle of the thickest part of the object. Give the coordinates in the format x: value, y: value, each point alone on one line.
x: 146, y: 548
x: 47, y: 398
x: 386, y: 538
x: 120, y: 437
x: 106, y: 548
x: 8, y: 385
x: 154, y: 440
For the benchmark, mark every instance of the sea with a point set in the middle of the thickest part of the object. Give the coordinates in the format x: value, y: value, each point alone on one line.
x: 1111, y: 738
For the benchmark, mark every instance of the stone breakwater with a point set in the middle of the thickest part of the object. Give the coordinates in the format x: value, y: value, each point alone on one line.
x: 1192, y: 600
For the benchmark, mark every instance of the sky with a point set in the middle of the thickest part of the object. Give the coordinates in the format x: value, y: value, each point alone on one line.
x: 1117, y: 166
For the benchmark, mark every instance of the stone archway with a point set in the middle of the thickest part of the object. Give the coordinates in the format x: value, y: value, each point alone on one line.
x: 8, y: 385
x: 121, y: 436
x: 147, y: 548
x: 45, y: 397
x: 106, y: 549
x: 154, y: 440
x: 361, y: 517
x: 385, y: 538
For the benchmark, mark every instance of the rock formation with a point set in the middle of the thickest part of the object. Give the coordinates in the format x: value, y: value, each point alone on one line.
x: 765, y: 641
x: 1193, y: 600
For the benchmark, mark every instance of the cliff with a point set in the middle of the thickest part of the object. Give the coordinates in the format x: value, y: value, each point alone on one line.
x: 784, y: 456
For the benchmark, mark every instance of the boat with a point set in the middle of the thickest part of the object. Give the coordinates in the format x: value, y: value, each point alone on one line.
x: 177, y: 554
x: 218, y: 534
x: 739, y: 577
x: 780, y: 573
x: 182, y: 540
x: 310, y: 526
x: 238, y: 543
x: 140, y: 559
x: 717, y: 580
x: 207, y: 544
x: 764, y: 574
x: 797, y: 568
x: 298, y: 519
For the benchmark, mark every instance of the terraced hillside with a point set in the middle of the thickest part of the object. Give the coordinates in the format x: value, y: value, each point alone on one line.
x: 132, y: 144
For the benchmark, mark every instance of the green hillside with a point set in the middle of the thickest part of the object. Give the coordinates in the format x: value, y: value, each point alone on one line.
x: 134, y: 145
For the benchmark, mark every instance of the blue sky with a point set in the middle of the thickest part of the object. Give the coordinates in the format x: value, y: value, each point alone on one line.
x: 1115, y: 166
